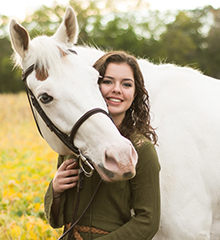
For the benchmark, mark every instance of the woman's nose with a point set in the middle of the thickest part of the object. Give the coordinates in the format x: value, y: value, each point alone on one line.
x: 116, y: 88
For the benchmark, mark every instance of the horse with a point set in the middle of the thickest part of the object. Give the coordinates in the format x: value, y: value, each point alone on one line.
x: 184, y: 105
x: 64, y: 88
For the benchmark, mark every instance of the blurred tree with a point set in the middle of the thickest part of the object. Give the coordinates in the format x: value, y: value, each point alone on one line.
x: 9, y: 82
x: 180, y: 43
x: 212, y: 49
x: 44, y: 21
x: 111, y: 29
x: 184, y: 37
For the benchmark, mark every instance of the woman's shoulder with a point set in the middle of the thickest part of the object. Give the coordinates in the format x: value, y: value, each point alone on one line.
x: 139, y: 141
x: 148, y: 161
x: 144, y: 147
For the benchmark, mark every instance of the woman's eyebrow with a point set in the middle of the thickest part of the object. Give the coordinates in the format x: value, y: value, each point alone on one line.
x: 108, y: 77
x: 124, y: 79
x: 128, y: 79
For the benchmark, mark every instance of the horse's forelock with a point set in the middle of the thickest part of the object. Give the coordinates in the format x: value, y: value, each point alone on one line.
x: 43, y: 65
x: 47, y: 55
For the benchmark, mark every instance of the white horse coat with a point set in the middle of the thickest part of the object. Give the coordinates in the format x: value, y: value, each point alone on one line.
x: 185, y: 106
x: 185, y: 110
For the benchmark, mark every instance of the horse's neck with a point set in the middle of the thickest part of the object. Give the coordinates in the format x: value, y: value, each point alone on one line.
x: 89, y: 54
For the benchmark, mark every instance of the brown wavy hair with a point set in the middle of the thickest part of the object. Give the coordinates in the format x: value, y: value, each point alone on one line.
x: 137, y: 117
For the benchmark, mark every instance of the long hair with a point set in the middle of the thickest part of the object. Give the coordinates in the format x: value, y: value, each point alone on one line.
x: 137, y: 117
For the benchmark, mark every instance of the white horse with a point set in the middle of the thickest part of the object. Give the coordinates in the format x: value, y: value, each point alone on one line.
x: 66, y: 88
x: 185, y: 107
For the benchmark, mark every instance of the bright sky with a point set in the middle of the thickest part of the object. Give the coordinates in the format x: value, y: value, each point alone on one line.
x: 19, y: 8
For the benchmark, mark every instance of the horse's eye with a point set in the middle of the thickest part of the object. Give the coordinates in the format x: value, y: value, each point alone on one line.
x: 45, y: 98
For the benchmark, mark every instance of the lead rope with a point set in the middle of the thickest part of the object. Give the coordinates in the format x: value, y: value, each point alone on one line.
x: 73, y: 224
x: 79, y: 188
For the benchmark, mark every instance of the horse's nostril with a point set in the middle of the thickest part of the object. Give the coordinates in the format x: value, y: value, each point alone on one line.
x: 128, y: 175
x: 106, y: 171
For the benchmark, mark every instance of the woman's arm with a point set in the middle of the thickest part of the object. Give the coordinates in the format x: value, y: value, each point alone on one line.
x: 65, y: 178
x: 145, y: 199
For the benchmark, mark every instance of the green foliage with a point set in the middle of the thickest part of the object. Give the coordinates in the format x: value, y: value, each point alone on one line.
x: 9, y: 81
x: 184, y: 37
x: 181, y: 40
x: 212, y: 49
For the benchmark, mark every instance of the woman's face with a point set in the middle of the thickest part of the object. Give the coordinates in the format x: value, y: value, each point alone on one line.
x: 118, y: 89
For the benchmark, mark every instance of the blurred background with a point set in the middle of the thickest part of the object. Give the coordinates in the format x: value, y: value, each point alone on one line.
x: 186, y: 33
x: 161, y: 31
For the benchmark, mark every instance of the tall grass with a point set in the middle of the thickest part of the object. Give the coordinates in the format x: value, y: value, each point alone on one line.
x: 27, y: 164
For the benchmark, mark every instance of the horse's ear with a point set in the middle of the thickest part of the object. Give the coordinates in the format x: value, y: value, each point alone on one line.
x: 19, y: 38
x: 68, y: 30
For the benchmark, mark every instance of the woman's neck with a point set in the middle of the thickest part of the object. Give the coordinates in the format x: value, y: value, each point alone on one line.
x: 117, y: 119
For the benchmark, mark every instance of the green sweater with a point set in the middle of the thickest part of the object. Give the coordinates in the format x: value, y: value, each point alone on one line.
x: 111, y: 207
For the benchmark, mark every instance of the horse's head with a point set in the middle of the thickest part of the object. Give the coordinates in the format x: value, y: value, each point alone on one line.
x: 65, y: 88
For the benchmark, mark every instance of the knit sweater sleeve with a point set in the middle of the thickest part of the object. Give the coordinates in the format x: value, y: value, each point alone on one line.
x: 145, y: 197
x: 48, y: 202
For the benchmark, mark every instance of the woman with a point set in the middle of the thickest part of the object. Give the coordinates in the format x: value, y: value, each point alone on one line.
x: 122, y: 87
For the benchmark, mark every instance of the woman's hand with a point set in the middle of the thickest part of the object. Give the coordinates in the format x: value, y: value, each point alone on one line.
x: 66, y: 177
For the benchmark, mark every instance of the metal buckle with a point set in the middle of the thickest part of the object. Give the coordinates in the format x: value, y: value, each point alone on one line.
x: 83, y: 160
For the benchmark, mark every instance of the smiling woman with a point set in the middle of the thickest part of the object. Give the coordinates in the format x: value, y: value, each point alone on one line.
x: 122, y: 87
x: 118, y: 89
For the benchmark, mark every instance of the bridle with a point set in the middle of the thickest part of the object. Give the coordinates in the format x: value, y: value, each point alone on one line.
x: 67, y: 140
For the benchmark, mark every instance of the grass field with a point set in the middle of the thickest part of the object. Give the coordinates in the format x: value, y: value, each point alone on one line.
x: 27, y: 164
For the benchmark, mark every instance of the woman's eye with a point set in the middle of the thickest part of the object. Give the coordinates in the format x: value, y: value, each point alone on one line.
x: 107, y: 82
x: 127, y: 84
x: 45, y: 98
